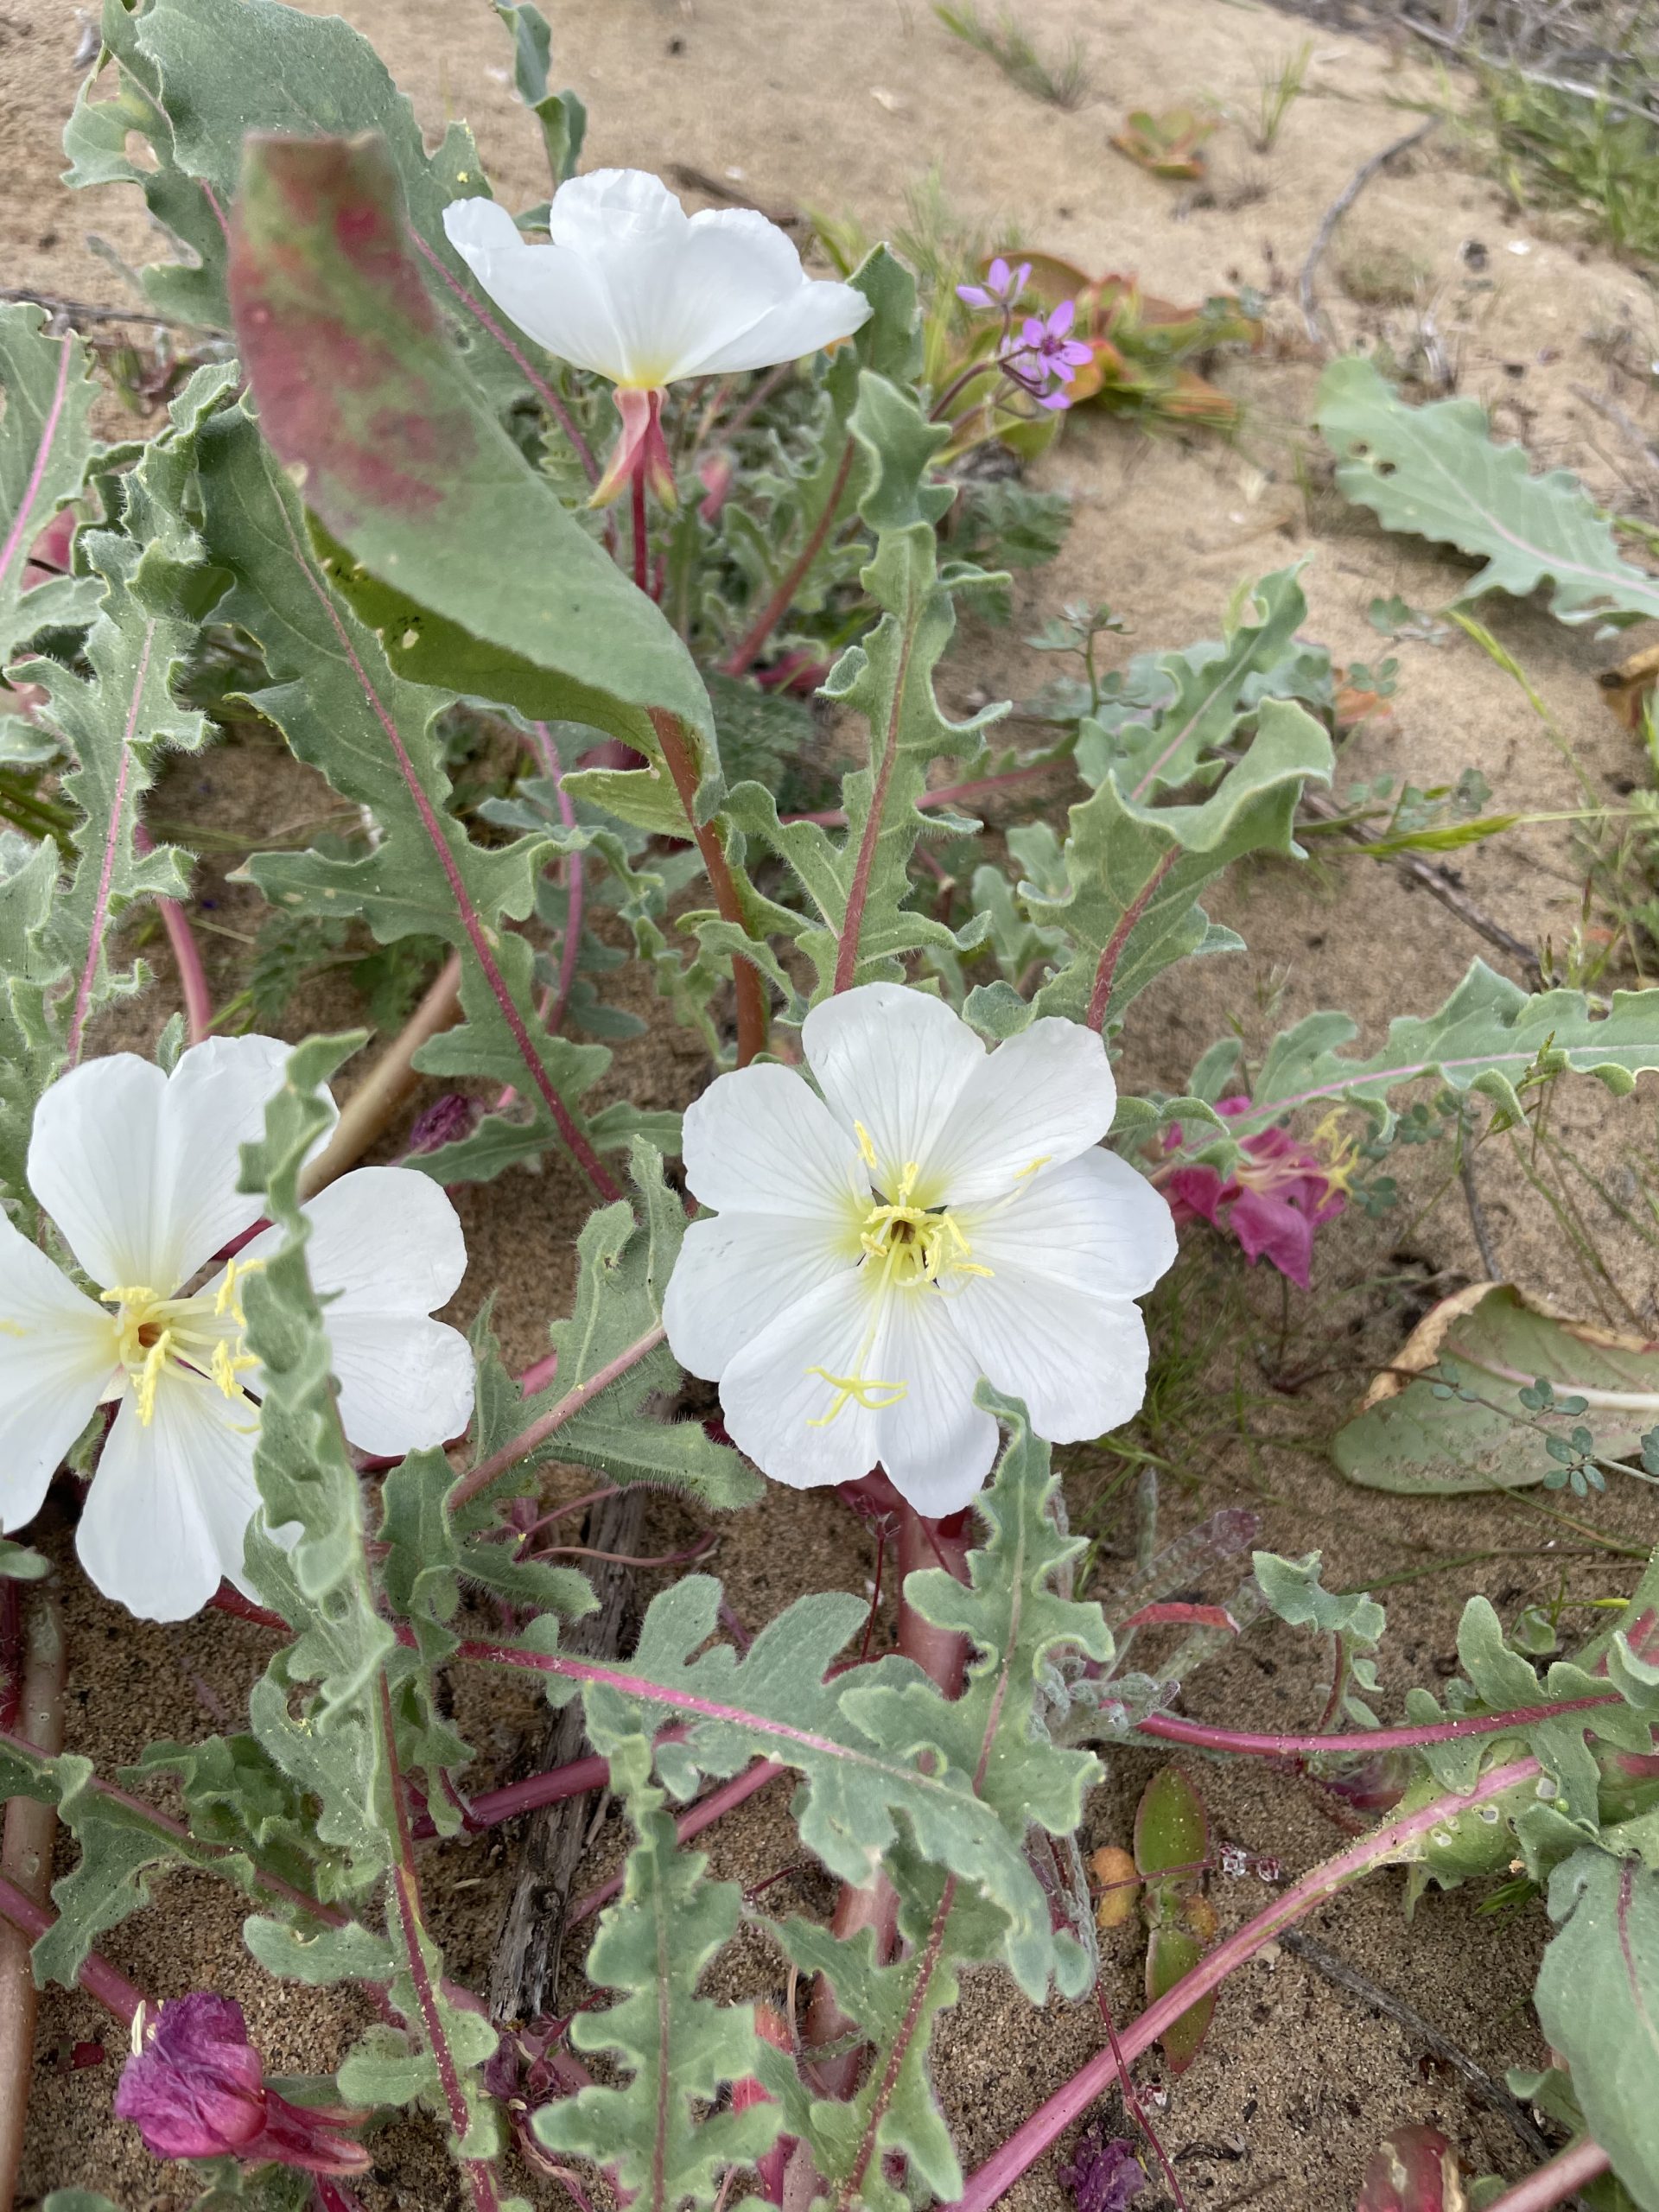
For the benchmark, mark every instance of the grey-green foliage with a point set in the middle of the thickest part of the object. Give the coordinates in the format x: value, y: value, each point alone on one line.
x: 1598, y: 1999
x: 1354, y: 1622
x: 1436, y: 471
x: 46, y: 448
x: 562, y: 115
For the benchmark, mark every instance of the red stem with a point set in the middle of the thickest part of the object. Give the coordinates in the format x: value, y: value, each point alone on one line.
x: 1206, y: 1739
x: 746, y: 977
x: 1555, y: 2183
x: 553, y: 1420
x: 703, y: 1815
x: 743, y: 658
x: 23, y: 520
x: 1052, y: 2118
x: 187, y: 955
x: 97, y: 1976
x: 26, y: 1860
x: 835, y: 817
x: 577, y: 1143
x: 641, y: 546
x: 1100, y: 997
x: 406, y: 1892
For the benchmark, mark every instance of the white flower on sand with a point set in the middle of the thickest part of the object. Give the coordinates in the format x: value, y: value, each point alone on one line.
x: 941, y: 1213
x: 138, y: 1170
x: 634, y: 288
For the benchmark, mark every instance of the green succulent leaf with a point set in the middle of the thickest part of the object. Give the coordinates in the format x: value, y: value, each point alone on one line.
x: 1436, y: 471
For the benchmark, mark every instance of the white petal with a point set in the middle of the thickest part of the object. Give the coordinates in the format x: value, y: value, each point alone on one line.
x: 1044, y: 1094
x: 759, y: 1141
x: 386, y: 1247
x: 737, y: 1272
x: 895, y: 1060
x: 1079, y: 1362
x: 795, y: 313
x: 57, y: 1353
x: 168, y: 1512
x: 139, y: 1169
x: 91, y: 1164
x: 555, y: 295
x: 937, y: 1445
x: 405, y: 1382
x: 596, y: 211
x: 1096, y: 1225
x: 770, y: 1400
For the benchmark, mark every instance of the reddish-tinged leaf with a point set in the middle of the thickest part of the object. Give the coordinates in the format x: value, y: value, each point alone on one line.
x: 1171, y: 1954
x: 1188, y: 1616
x: 1413, y: 2169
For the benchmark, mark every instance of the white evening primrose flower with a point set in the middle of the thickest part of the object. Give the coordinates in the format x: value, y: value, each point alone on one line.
x: 631, y: 287
x: 138, y: 1170
x: 940, y: 1213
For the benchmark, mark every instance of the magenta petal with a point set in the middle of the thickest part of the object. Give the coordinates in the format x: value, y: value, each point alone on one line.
x: 1271, y: 1228
x: 1056, y: 401
x: 1034, y: 332
x: 973, y: 295
x: 996, y: 277
x: 1201, y: 1190
x: 1062, y: 318
x: 194, y: 2090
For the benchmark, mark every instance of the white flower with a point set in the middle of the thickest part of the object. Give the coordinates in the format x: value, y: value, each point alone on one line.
x: 941, y: 1213
x: 138, y: 1170
x: 634, y: 288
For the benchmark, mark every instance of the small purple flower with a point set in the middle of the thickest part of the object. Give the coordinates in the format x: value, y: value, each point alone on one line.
x: 1104, y: 2175
x: 1047, y: 358
x: 446, y: 1121
x: 1001, y: 288
x: 194, y: 2089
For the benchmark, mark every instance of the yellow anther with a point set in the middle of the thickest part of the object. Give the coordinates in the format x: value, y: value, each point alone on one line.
x: 228, y: 1365
x: 858, y: 1390
x: 1031, y: 1167
x: 12, y: 1329
x: 133, y: 1294
x: 229, y: 1300
x: 864, y: 1145
x: 150, y: 1375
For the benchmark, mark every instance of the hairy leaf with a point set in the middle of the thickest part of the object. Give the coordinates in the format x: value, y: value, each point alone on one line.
x: 678, y: 2048
x: 45, y: 448
x: 1436, y: 471
x: 1598, y: 1999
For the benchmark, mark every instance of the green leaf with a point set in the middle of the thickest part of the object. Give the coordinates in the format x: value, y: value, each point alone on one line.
x: 967, y: 1775
x: 1294, y: 1591
x: 318, y: 1956
x: 1598, y: 1999
x: 340, y: 341
x: 1436, y: 471
x: 344, y: 712
x: 626, y: 1254
x: 562, y: 115
x: 45, y: 397
x: 1134, y: 871
x: 677, y: 2048
x: 1414, y: 1439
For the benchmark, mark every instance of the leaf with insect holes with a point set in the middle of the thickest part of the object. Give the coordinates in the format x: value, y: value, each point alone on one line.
x: 362, y: 395
x: 1134, y: 872
x: 45, y: 447
x: 1436, y: 472
x: 656, y: 2131
x: 1446, y: 1415
x: 1598, y: 2000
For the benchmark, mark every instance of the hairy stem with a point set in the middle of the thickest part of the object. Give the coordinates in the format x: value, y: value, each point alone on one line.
x: 375, y: 1102
x: 863, y: 866
x: 744, y: 656
x: 97, y: 1976
x: 1204, y: 1738
x: 1554, y: 2183
x: 1100, y: 997
x: 1399, y: 1839
x: 704, y: 1814
x: 26, y: 1862
x: 186, y: 954
x: 746, y: 976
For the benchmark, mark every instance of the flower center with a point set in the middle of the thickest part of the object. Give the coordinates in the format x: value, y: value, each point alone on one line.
x: 198, y: 1339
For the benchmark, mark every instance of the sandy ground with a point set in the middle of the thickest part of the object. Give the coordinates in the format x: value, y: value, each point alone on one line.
x: 841, y: 109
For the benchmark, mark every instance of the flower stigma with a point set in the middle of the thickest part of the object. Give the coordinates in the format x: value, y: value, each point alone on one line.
x: 160, y: 1336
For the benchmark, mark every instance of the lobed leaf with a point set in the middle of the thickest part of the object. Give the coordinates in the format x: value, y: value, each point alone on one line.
x: 46, y: 446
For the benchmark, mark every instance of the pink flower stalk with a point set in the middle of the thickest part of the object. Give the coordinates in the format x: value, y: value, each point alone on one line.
x: 194, y: 2087
x: 1047, y: 358
x: 1274, y: 1198
x: 1001, y: 288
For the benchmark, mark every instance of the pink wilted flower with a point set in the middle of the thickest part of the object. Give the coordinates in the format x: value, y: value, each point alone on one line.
x: 1047, y: 358
x: 194, y: 2087
x: 1275, y: 1197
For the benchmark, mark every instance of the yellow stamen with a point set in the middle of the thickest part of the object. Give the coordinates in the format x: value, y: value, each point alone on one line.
x: 228, y: 1365
x: 864, y: 1145
x: 1031, y: 1167
x: 859, y: 1389
x: 150, y: 1375
x: 131, y: 1294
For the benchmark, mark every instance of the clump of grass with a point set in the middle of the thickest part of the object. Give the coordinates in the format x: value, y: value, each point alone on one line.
x: 1009, y: 45
x: 1386, y: 277
x: 1566, y: 151
x: 1279, y: 88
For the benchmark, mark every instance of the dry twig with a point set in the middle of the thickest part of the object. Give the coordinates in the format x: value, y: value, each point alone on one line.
x: 1339, y: 206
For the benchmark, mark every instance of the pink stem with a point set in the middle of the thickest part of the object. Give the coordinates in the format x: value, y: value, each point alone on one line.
x: 703, y: 1815
x: 1206, y: 1739
x: 834, y: 817
x: 852, y: 926
x: 572, y: 1403
x: 1052, y: 2118
x: 1100, y: 998
x: 186, y: 954
x: 97, y: 1976
x: 1555, y: 2183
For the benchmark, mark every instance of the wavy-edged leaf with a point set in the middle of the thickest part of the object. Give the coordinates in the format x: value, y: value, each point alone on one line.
x: 46, y: 444
x: 1436, y: 471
